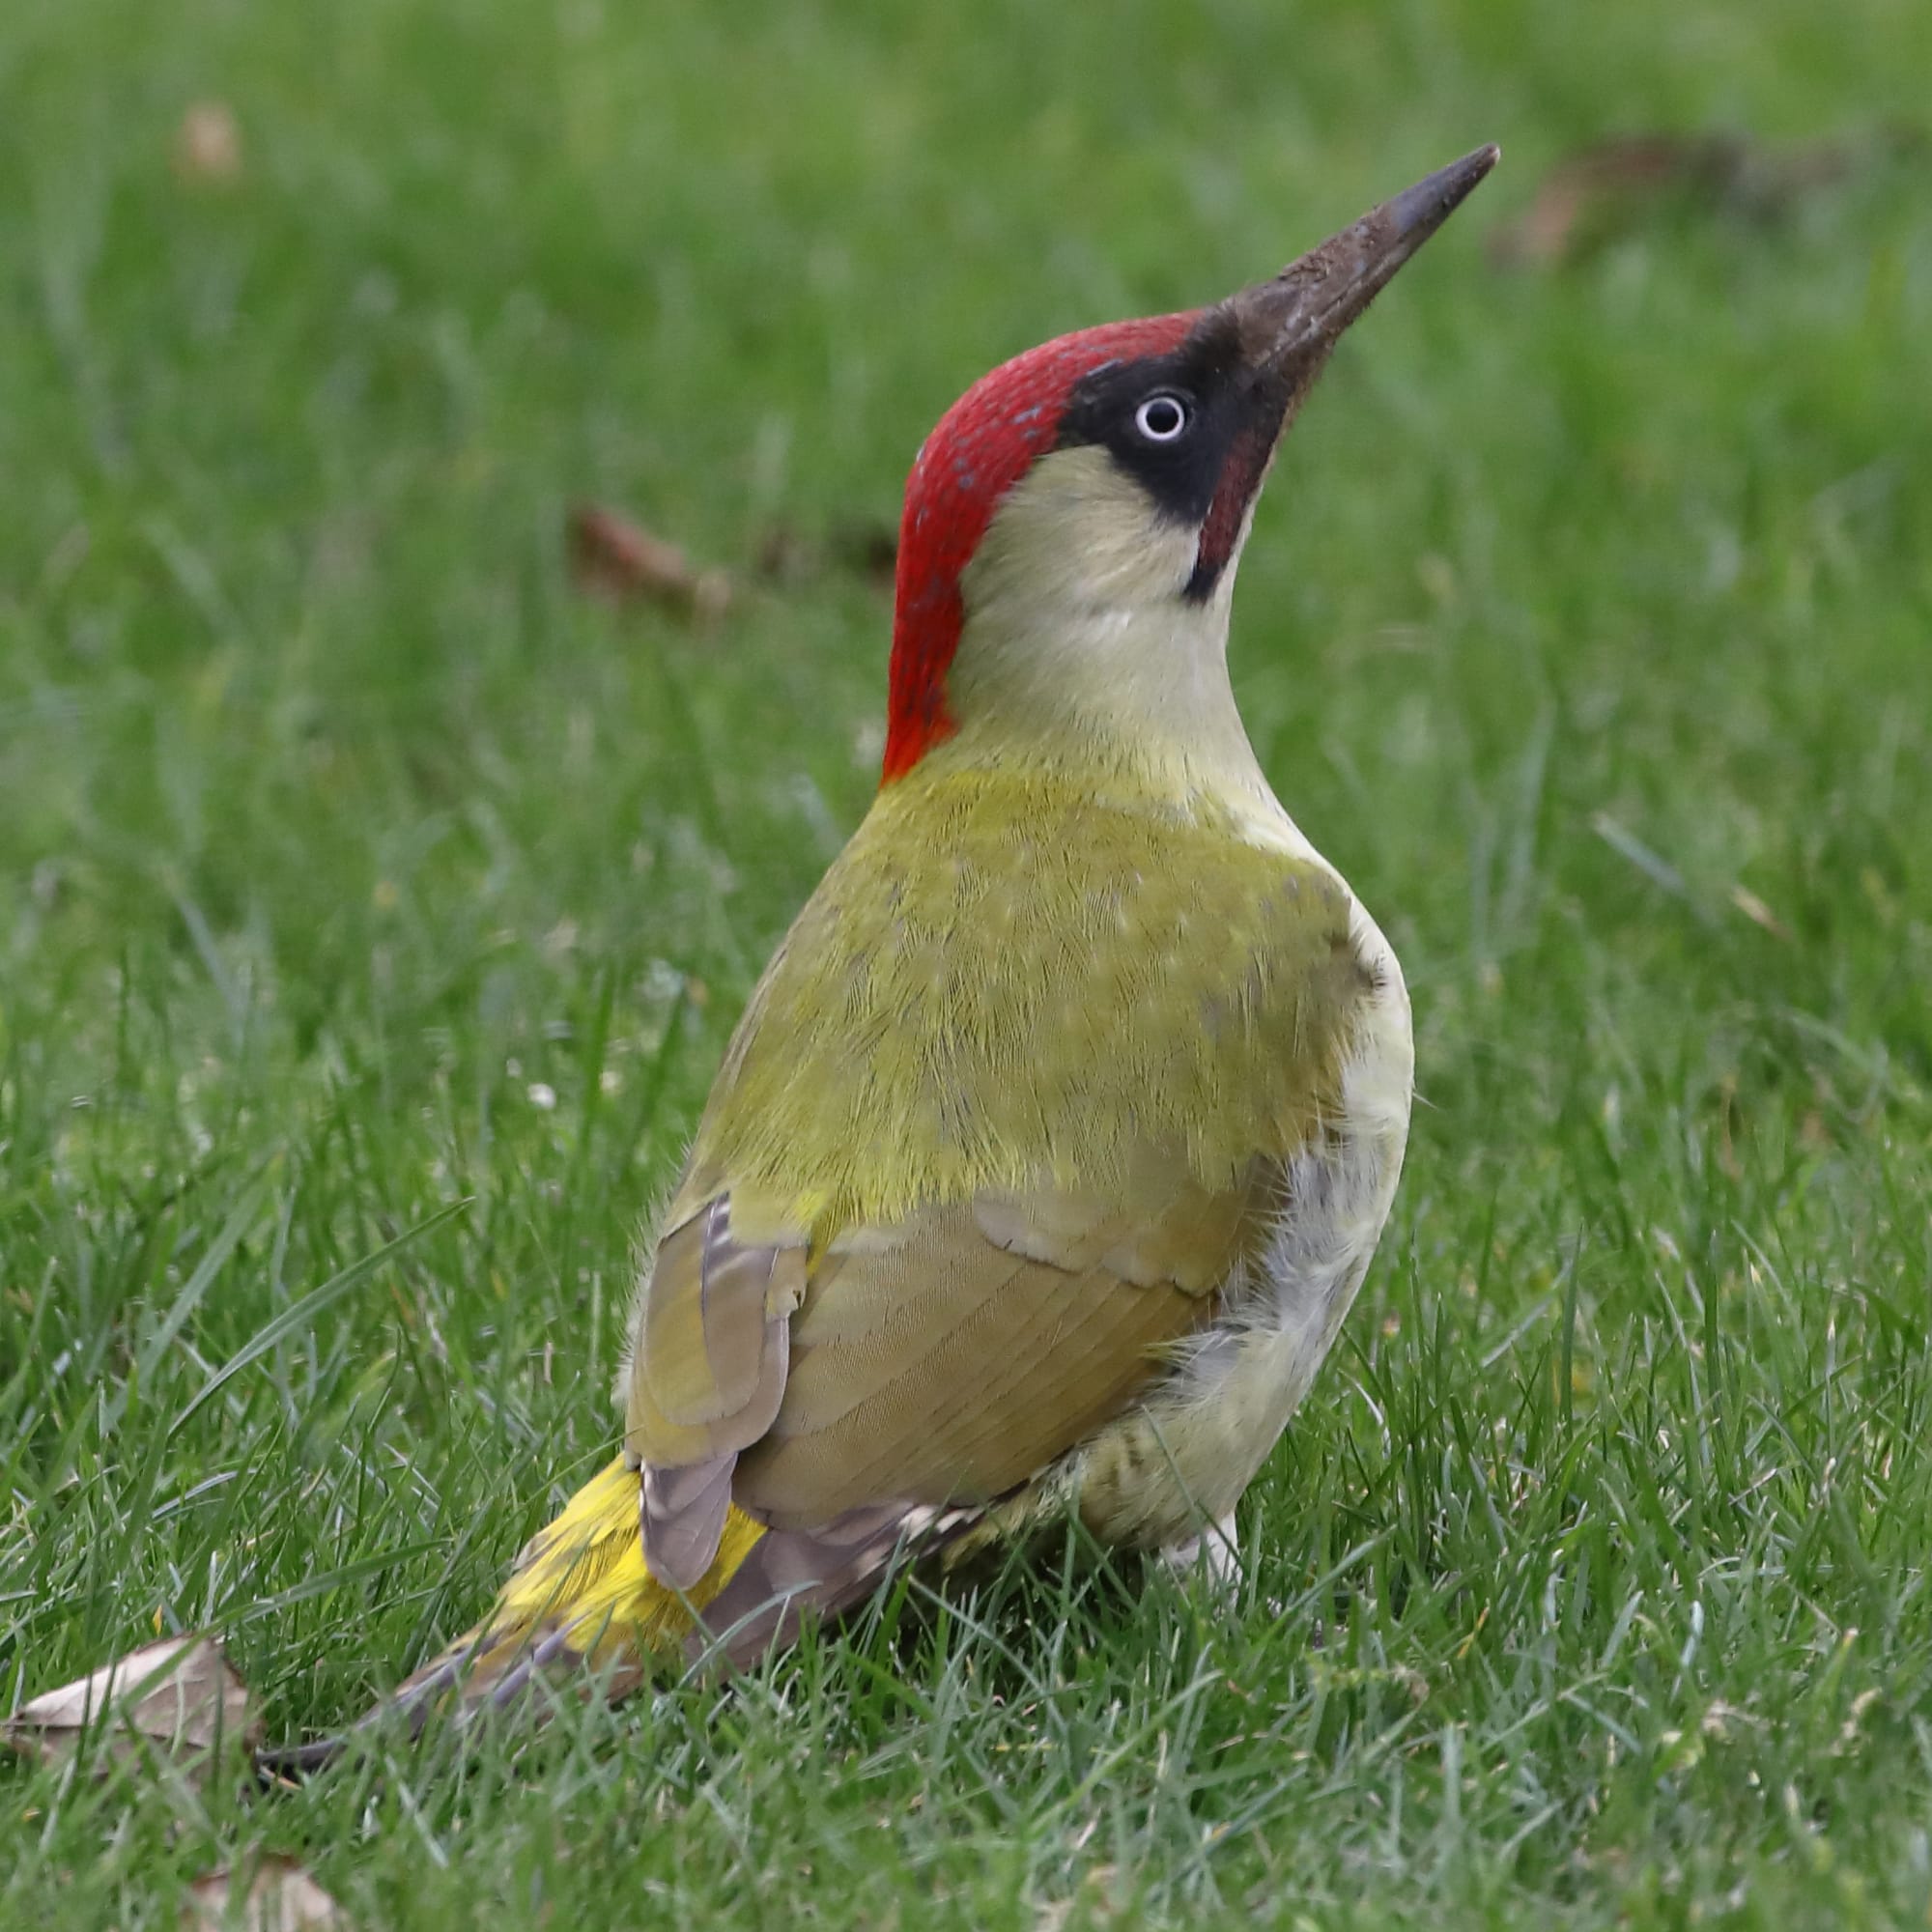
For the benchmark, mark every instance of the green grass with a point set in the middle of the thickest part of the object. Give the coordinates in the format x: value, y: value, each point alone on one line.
x: 338, y: 835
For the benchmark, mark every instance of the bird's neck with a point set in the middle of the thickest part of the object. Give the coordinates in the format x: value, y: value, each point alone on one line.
x: 1124, y: 701
x: 1084, y: 662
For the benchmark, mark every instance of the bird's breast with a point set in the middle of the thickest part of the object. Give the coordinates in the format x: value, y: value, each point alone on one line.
x: 1005, y: 989
x: 1183, y: 1457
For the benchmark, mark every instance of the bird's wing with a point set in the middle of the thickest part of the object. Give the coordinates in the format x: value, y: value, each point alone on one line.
x: 940, y: 1362
x: 713, y: 1355
x: 950, y: 1359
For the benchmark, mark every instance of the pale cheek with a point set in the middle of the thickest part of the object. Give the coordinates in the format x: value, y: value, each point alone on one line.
x: 1077, y: 533
x: 1149, y: 563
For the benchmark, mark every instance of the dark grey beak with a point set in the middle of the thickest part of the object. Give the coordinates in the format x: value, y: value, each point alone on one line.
x: 1308, y: 305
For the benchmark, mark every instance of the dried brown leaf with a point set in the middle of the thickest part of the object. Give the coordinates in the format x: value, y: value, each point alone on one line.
x: 1613, y: 185
x: 868, y: 550
x: 279, y: 1897
x: 179, y: 1697
x: 860, y: 547
x: 208, y: 144
x: 783, y: 555
x: 619, y: 558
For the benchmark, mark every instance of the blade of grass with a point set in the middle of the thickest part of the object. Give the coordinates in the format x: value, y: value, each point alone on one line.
x: 301, y: 1314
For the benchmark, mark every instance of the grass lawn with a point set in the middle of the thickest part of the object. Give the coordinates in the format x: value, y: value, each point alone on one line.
x: 353, y: 864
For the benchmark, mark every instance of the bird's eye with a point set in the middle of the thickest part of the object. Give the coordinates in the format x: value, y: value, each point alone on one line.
x: 1161, y: 418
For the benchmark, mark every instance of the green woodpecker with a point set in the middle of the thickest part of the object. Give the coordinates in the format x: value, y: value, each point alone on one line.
x: 1056, y: 1139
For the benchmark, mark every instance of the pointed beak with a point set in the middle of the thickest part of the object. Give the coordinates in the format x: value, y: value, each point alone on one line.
x: 1302, y: 311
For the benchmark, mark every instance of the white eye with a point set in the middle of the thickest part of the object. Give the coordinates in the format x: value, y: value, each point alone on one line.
x: 1161, y: 418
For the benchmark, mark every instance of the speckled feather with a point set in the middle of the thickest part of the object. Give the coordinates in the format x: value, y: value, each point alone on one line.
x: 1001, y: 984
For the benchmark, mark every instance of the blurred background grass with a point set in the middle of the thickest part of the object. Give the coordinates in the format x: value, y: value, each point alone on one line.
x: 354, y: 863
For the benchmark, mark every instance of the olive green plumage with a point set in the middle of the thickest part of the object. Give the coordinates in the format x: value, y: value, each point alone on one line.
x: 1011, y: 1106
x: 1005, y: 983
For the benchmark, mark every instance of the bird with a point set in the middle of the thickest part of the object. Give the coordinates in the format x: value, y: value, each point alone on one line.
x: 1056, y: 1138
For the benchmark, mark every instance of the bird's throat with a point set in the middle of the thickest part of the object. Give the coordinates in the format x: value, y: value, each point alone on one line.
x: 1132, y: 702
x: 1081, y: 651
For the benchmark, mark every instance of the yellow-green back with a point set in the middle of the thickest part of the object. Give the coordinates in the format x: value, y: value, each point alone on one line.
x: 1004, y: 981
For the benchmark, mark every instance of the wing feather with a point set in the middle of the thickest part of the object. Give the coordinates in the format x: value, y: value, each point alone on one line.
x: 941, y: 1363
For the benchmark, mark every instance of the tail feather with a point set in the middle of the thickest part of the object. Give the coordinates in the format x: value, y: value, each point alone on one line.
x: 581, y: 1594
x: 578, y: 1600
x: 583, y: 1608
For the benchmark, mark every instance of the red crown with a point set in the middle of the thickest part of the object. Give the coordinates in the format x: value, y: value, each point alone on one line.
x: 984, y: 444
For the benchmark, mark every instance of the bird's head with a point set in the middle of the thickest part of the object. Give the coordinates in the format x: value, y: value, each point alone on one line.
x: 1072, y: 525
